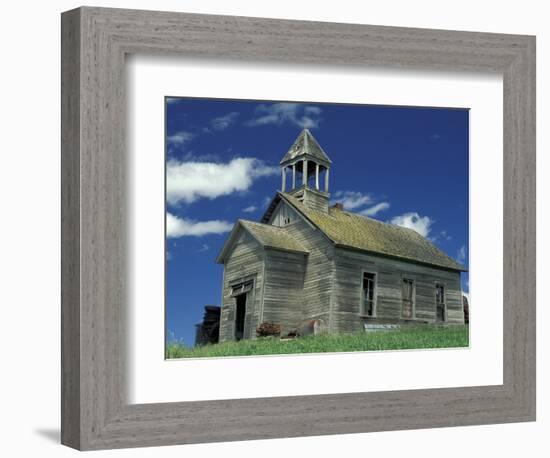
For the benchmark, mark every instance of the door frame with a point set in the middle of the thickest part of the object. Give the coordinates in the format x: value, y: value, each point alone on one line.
x: 250, y: 302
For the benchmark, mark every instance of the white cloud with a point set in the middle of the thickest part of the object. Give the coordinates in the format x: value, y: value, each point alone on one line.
x: 189, y: 181
x: 444, y: 235
x: 223, y: 122
x: 351, y: 199
x: 250, y: 209
x: 461, y: 254
x: 179, y: 138
x: 412, y: 220
x: 191, y: 156
x: 284, y: 112
x: 179, y: 227
x: 375, y: 209
x: 204, y: 247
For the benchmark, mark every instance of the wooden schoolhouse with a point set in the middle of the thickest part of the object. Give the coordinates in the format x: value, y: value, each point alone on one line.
x: 307, y: 262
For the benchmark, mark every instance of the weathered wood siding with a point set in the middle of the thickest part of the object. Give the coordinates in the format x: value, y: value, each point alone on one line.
x: 283, y: 215
x: 245, y: 262
x: 316, y: 200
x: 316, y: 295
x: 347, y: 292
x: 284, y: 284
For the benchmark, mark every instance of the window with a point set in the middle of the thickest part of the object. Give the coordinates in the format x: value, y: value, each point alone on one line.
x: 241, y: 288
x: 368, y: 294
x: 440, y: 303
x: 283, y: 217
x: 407, y: 310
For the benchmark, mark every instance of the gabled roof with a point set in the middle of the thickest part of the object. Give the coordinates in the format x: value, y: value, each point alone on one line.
x: 359, y: 232
x: 266, y: 235
x: 306, y: 145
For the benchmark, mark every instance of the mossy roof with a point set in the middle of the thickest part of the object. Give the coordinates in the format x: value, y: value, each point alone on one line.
x: 359, y: 232
x: 272, y: 236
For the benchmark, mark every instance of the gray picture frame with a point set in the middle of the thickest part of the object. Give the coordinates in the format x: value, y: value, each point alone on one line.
x: 95, y: 413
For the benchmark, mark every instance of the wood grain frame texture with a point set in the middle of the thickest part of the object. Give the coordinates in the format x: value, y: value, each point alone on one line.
x: 95, y: 413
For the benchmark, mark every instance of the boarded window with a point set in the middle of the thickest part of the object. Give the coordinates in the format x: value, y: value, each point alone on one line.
x: 440, y: 302
x: 368, y: 294
x: 241, y: 288
x: 285, y: 215
x: 408, y: 298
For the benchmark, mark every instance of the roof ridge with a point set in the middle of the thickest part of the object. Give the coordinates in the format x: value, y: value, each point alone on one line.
x: 306, y: 134
x: 253, y: 226
x: 259, y: 223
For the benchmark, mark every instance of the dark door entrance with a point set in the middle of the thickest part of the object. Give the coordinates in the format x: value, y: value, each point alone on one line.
x: 240, y: 314
x: 440, y: 302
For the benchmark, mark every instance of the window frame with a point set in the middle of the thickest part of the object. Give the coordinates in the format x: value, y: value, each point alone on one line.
x: 444, y: 286
x: 362, y: 311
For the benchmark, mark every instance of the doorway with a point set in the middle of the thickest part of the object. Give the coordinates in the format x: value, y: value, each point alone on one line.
x: 240, y: 314
x: 440, y: 303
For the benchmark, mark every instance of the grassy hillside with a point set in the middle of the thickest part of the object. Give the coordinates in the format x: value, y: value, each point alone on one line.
x: 409, y: 338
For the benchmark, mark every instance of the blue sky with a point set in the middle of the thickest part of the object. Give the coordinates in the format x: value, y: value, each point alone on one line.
x: 403, y: 165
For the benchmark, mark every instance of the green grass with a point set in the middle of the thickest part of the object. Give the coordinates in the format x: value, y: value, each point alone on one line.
x: 407, y: 338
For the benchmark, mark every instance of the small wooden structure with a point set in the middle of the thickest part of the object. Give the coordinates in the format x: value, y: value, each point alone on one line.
x: 306, y: 261
x: 208, y: 331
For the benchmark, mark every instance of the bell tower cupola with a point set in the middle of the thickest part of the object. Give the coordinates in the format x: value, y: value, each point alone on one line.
x: 305, y: 170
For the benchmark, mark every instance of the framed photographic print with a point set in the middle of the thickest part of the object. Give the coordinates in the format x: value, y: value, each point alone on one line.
x: 301, y: 260
x: 251, y: 206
